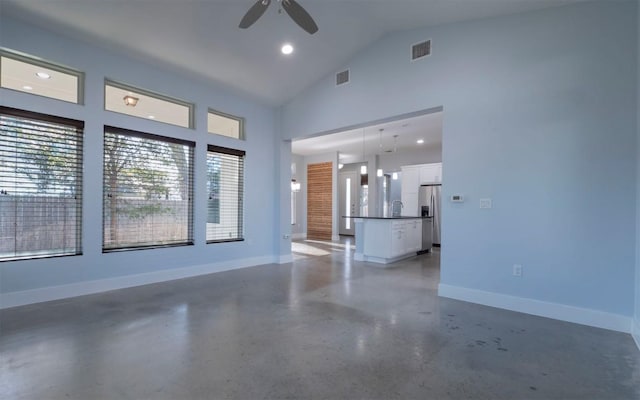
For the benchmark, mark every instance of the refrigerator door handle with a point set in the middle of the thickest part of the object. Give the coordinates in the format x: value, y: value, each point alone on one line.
x: 432, y: 210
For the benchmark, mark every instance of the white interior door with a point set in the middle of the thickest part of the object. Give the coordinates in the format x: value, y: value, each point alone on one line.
x: 348, y: 197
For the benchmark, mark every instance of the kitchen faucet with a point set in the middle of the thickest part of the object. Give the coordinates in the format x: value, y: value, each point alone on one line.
x: 392, y: 208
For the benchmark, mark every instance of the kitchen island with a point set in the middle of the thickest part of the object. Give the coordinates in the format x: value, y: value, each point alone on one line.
x: 384, y: 240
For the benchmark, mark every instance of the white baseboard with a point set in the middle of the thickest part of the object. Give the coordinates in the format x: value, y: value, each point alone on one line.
x: 14, y: 299
x: 285, y: 258
x: 298, y: 236
x: 636, y: 332
x: 584, y: 316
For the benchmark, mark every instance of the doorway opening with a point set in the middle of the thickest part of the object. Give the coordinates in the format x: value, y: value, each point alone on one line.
x: 397, y: 156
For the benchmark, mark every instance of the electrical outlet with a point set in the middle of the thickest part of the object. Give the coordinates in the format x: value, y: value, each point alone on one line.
x: 285, y: 236
x: 485, y: 203
x: 517, y: 270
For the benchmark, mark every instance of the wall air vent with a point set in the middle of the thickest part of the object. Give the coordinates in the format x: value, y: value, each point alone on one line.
x: 421, y: 50
x: 342, y: 77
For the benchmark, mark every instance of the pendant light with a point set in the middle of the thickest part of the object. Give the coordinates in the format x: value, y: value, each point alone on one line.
x: 380, y: 172
x: 394, y: 176
x: 363, y: 168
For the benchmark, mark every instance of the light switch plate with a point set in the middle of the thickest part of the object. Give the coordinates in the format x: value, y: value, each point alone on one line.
x: 485, y: 203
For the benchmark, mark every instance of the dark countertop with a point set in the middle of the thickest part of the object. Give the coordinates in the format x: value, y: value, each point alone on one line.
x: 389, y: 217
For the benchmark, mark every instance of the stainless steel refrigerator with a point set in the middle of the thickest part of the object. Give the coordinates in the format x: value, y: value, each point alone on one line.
x: 429, y: 199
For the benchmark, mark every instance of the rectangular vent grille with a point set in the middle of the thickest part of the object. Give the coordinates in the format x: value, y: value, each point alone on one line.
x: 421, y: 50
x: 342, y: 77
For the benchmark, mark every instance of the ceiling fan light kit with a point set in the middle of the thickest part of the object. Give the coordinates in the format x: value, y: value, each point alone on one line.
x: 297, y: 13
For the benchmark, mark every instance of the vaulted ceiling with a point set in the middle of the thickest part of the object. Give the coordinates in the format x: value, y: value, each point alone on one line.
x: 201, y: 38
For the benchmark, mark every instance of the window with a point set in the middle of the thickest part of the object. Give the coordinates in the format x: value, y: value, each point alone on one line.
x: 141, y: 103
x: 347, y: 204
x: 30, y: 75
x: 40, y: 185
x: 225, y: 183
x: 148, y: 191
x: 293, y: 208
x: 225, y: 124
x: 295, y: 188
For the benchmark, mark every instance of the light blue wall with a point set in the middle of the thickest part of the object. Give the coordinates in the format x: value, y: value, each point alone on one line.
x: 637, y: 304
x: 539, y: 115
x: 262, y: 173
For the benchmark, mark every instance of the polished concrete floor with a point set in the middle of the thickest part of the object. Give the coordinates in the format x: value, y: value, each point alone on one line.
x: 324, y: 327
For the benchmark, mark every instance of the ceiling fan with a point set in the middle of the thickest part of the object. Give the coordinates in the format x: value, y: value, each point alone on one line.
x: 298, y: 14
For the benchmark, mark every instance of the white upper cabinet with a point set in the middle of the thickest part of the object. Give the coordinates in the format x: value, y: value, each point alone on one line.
x: 412, y: 177
x: 410, y: 186
x: 430, y: 173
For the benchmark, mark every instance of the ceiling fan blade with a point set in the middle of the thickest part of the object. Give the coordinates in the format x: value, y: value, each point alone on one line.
x: 254, y: 13
x: 300, y: 16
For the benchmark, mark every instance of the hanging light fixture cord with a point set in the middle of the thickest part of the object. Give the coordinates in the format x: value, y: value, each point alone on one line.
x: 363, y: 168
x: 363, y: 157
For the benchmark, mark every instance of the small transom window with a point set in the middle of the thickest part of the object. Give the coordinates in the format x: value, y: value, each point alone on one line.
x: 34, y: 76
x: 225, y: 124
x: 141, y: 103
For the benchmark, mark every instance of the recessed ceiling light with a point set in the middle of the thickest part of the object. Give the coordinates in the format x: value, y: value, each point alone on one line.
x: 27, y: 87
x: 287, y: 48
x: 151, y: 117
x: 43, y: 75
x: 420, y: 141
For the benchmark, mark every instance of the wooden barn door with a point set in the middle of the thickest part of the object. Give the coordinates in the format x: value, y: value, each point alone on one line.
x: 319, y: 198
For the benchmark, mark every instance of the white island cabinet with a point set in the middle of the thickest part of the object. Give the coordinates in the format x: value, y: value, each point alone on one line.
x: 386, y: 240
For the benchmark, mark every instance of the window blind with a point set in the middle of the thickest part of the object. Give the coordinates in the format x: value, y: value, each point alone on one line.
x: 40, y: 185
x: 148, y: 190
x: 225, y: 189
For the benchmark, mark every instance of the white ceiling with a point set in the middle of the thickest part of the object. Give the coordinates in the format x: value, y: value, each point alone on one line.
x: 202, y: 38
x: 349, y: 143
